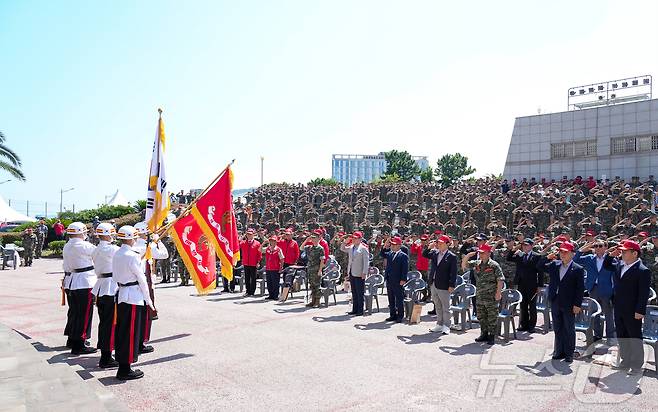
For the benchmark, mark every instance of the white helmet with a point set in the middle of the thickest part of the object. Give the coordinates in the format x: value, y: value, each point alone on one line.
x: 141, y: 228
x: 105, y: 229
x: 76, y: 228
x: 126, y: 233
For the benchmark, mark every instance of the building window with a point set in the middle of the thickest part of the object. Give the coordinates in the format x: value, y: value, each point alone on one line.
x: 581, y: 148
x: 633, y: 144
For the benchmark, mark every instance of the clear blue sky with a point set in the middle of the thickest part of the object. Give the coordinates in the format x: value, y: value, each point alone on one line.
x: 294, y: 81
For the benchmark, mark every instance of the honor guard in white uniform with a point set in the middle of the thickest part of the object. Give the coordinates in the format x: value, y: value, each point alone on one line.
x: 158, y: 251
x: 104, y: 290
x: 132, y: 297
x: 77, y: 261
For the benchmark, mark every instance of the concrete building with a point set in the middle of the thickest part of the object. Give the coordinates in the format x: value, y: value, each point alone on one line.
x: 354, y: 168
x: 604, y: 142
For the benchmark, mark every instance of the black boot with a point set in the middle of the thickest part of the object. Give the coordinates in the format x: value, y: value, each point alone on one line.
x: 484, y: 336
x: 125, y: 373
x: 79, y: 348
x: 491, y: 339
x: 107, y: 361
x: 146, y: 349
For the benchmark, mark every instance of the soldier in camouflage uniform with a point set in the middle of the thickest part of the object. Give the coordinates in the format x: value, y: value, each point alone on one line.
x: 607, y: 215
x: 29, y: 243
x: 42, y: 234
x: 182, y: 271
x: 650, y: 260
x: 315, y: 256
x: 490, y: 279
x: 165, y: 264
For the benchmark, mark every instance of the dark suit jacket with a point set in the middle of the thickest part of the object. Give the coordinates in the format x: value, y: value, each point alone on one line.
x: 630, y: 292
x: 397, y: 266
x: 528, y: 275
x: 444, y: 273
x: 569, y: 291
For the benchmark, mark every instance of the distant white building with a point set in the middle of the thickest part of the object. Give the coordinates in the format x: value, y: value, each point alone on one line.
x: 355, y: 168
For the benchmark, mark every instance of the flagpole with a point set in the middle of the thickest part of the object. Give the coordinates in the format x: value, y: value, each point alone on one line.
x: 166, y: 227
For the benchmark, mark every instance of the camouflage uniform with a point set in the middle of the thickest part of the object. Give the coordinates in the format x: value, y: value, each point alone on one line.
x: 315, y: 255
x: 649, y: 256
x: 42, y: 233
x: 487, y: 274
x: 29, y: 243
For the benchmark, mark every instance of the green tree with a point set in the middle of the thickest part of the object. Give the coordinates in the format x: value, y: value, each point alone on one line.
x: 426, y: 175
x: 394, y: 178
x: 9, y: 160
x: 323, y: 181
x: 451, y: 168
x: 401, y: 164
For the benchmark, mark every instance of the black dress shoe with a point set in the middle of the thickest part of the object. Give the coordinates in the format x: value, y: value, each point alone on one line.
x: 432, y: 312
x: 111, y: 363
x: 391, y: 319
x: 558, y: 357
x: 399, y: 320
x: 531, y: 330
x: 83, y: 350
x: 358, y: 314
x: 522, y: 329
x: 351, y: 313
x: 146, y: 349
x: 133, y: 374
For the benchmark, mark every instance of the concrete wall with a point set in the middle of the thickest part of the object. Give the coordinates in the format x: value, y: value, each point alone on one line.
x: 529, y: 153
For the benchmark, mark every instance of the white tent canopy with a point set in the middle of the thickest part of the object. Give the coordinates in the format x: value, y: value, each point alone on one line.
x: 7, y: 214
x: 118, y: 199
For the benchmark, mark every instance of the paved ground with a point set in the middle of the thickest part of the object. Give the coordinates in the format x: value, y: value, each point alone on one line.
x: 222, y: 352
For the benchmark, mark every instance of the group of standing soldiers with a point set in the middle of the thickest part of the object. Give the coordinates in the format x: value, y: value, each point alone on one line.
x: 33, y: 242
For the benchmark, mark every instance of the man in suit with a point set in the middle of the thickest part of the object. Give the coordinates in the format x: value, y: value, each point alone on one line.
x: 442, y: 279
x: 357, y: 267
x: 565, y: 292
x: 397, y: 266
x: 631, y: 281
x: 598, y: 284
x: 528, y: 278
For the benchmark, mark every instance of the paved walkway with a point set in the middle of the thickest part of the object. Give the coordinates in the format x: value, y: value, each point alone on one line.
x: 226, y: 352
x: 29, y: 381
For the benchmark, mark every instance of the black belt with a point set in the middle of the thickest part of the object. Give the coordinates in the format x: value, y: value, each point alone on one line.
x: 87, y: 269
x: 105, y: 275
x: 123, y: 285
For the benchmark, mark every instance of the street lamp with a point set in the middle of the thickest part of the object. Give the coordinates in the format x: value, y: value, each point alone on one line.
x: 61, y: 197
x: 262, y: 158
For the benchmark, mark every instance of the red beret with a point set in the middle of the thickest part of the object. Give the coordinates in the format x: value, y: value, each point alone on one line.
x: 396, y: 241
x: 444, y: 239
x: 630, y: 245
x: 485, y: 248
x: 567, y: 247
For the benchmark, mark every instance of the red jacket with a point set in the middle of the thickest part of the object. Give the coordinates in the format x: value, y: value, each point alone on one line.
x: 422, y: 263
x: 273, y: 258
x: 250, y: 252
x: 290, y: 250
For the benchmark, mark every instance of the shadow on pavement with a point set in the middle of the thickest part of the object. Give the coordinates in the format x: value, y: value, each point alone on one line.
x: 165, y: 359
x: 337, y: 318
x: 247, y: 302
x: 375, y: 325
x: 110, y: 381
x: 172, y: 337
x: 294, y: 310
x: 618, y: 383
x: 416, y: 339
x: 474, y: 348
x: 40, y: 347
x: 547, y: 368
x: 224, y: 299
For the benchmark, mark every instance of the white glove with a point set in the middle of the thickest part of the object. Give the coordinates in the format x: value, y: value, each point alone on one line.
x: 155, y: 237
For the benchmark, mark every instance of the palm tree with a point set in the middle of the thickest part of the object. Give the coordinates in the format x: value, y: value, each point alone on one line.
x: 9, y: 160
